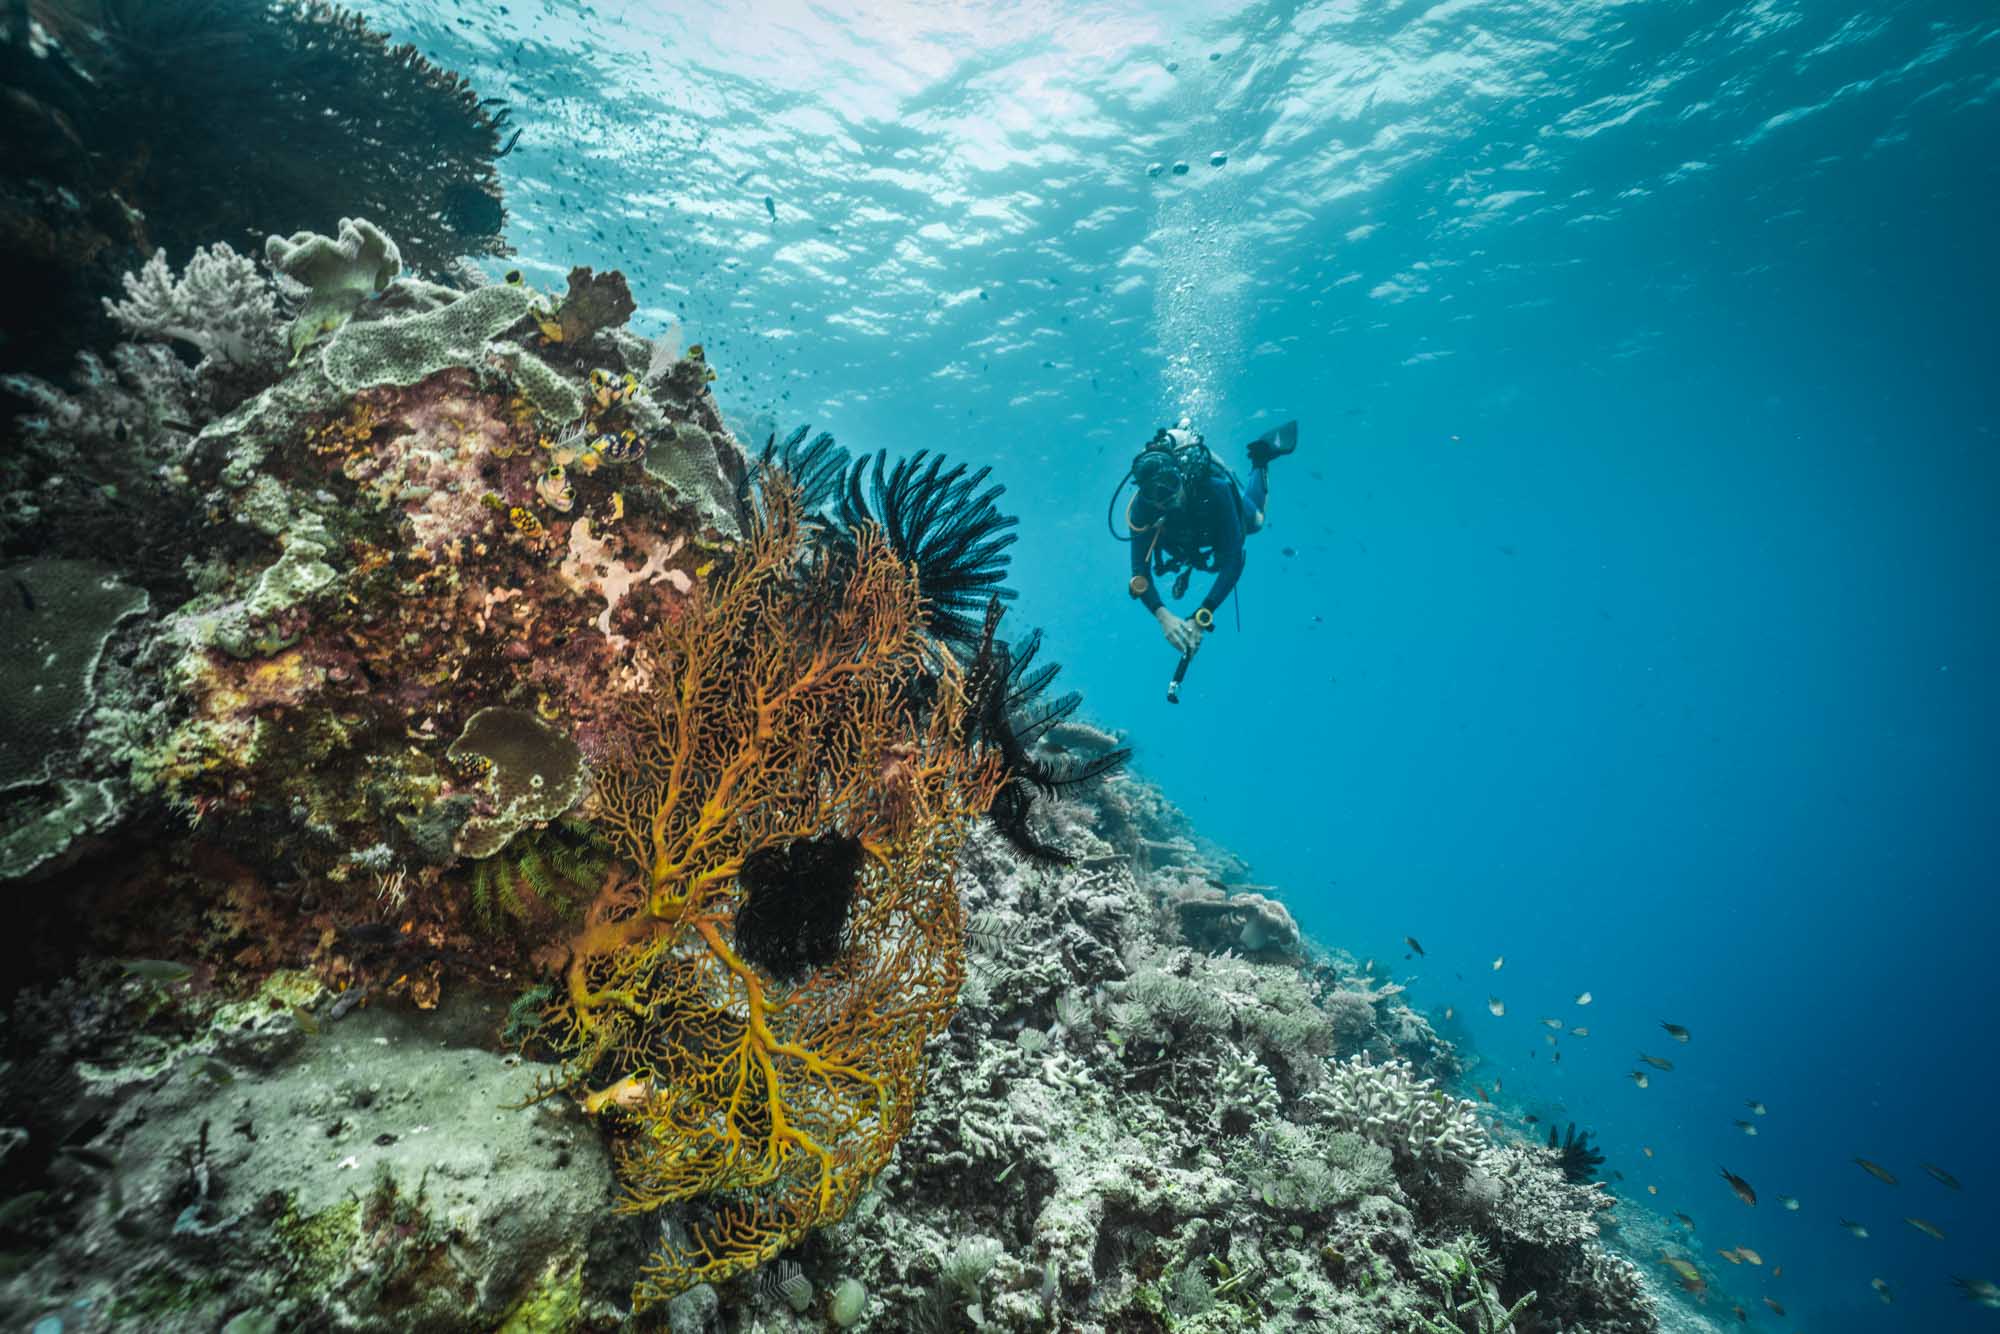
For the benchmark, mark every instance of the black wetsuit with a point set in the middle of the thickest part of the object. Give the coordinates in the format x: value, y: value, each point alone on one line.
x: 1211, y: 517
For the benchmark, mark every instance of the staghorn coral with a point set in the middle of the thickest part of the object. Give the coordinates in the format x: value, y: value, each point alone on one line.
x: 780, y: 711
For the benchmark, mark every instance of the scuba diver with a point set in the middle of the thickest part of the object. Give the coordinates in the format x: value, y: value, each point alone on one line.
x: 1190, y: 514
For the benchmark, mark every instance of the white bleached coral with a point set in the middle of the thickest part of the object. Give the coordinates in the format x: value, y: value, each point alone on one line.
x: 1408, y: 1115
x: 220, y: 303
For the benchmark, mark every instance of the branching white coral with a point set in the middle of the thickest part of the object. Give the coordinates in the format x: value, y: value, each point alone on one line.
x: 220, y: 303
x: 1245, y: 1094
x: 1535, y: 1202
x: 133, y: 404
x: 1410, y: 1117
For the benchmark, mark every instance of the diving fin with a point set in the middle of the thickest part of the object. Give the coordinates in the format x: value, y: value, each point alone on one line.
x: 1271, y: 444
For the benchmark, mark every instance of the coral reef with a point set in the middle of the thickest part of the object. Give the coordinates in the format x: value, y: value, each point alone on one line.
x: 137, y: 128
x: 493, y: 699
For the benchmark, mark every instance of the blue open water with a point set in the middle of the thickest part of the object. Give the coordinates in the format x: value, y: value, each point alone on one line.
x: 1639, y: 618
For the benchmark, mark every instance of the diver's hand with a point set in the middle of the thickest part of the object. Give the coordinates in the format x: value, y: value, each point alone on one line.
x: 1184, y: 635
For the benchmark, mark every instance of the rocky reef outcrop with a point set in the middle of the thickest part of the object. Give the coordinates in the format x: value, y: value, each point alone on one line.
x: 500, y: 855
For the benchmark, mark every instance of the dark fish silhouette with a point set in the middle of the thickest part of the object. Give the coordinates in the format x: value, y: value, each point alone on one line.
x: 1943, y: 1177
x: 1743, y: 1189
x: 1876, y: 1170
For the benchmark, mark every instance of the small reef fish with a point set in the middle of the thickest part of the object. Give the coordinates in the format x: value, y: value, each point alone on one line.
x: 1657, y: 1062
x: 1498, y: 959
x: 554, y: 489
x: 1552, y: 1023
x: 1583, y: 998
x: 1732, y: 1256
x: 1743, y: 1190
x: 1756, y: 1107
x: 1881, y: 1287
x: 1748, y: 1256
x: 628, y: 446
x: 1776, y: 1309
x: 1854, y: 1227
x: 1497, y: 1006
x: 1747, y: 1127
x: 1685, y: 1221
x: 1742, y: 1316
x: 1925, y: 1226
x: 1876, y: 1170
x: 1690, y: 1277
x: 1639, y: 1077
x: 1981, y: 1290
x: 525, y: 522
x: 1941, y: 1176
x: 1579, y: 1032
x: 1652, y: 1190
x: 1448, y: 1012
x: 1675, y: 1031
x: 1549, y: 1038
x: 1646, y: 1149
x: 156, y: 970
x: 1789, y: 1202
x: 1411, y: 941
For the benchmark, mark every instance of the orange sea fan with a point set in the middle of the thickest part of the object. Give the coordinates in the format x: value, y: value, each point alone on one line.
x: 795, y: 699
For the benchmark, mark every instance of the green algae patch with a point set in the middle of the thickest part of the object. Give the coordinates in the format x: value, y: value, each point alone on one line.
x: 553, y: 1305
x: 316, y: 1246
x: 159, y: 1296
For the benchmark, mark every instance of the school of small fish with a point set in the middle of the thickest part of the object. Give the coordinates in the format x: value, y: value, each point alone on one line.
x: 1980, y: 1291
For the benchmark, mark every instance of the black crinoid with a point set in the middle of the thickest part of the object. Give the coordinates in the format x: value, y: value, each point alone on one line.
x: 940, y: 518
x: 945, y: 521
x: 1579, y: 1162
x: 795, y: 901
x: 818, y: 468
x: 1010, y: 713
x: 941, y: 521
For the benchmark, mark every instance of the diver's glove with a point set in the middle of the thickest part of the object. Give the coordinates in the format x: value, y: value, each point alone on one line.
x: 1183, y: 635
